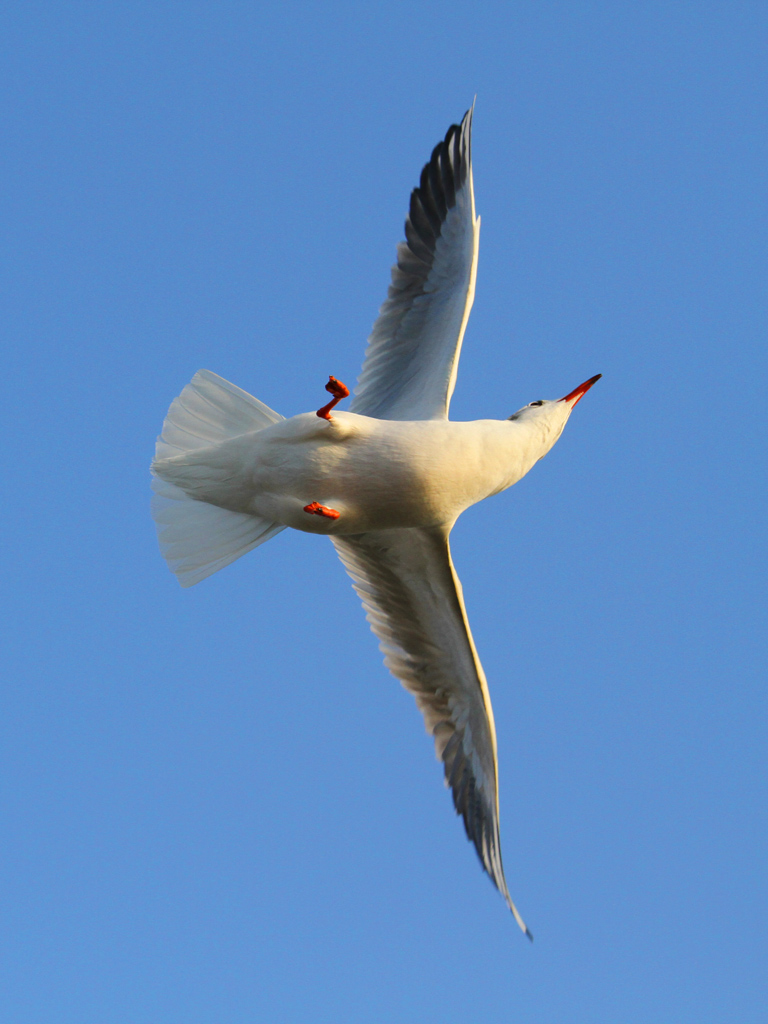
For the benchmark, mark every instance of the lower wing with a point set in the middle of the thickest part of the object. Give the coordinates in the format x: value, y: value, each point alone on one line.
x: 413, y: 600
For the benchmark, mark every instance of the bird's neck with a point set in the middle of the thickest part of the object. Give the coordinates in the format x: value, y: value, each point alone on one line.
x: 515, y: 447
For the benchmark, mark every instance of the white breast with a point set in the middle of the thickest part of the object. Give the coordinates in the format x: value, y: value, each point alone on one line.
x: 378, y: 474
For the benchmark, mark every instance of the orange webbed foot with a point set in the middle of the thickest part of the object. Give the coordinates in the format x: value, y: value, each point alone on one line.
x: 339, y: 391
x: 316, y: 509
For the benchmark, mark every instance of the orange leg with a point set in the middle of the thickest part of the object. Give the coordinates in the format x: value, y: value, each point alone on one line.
x: 339, y: 391
x: 316, y: 509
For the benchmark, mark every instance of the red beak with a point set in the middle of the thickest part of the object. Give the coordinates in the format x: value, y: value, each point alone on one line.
x: 581, y: 390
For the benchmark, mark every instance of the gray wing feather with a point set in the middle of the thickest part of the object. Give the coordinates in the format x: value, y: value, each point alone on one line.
x: 410, y: 365
x: 413, y: 601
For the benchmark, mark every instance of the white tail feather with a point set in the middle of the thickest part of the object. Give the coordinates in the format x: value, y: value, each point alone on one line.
x: 209, y: 410
x: 196, y: 538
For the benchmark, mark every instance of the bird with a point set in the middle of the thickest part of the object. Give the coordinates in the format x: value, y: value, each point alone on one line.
x: 385, y: 481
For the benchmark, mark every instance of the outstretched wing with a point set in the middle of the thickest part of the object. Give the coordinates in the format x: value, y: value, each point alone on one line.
x: 413, y: 601
x: 413, y: 351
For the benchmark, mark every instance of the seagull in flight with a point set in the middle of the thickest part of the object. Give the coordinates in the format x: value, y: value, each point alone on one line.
x: 386, y: 481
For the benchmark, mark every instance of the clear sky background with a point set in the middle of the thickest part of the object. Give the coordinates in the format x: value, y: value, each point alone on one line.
x: 217, y: 806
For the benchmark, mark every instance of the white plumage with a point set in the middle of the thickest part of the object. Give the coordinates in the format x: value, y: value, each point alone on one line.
x: 198, y: 538
x: 385, y: 481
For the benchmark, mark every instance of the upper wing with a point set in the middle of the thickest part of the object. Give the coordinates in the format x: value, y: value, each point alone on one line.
x: 413, y: 600
x: 413, y: 351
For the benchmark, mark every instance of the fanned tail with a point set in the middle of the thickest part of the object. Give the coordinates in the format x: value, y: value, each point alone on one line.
x: 197, y: 538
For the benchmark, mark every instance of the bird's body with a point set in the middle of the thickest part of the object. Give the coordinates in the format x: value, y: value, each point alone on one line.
x: 385, y: 481
x: 378, y: 474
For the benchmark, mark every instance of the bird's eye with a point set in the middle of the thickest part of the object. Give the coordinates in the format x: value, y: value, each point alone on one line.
x: 540, y: 402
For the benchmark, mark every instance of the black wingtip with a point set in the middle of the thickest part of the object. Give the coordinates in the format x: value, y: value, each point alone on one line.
x: 529, y: 934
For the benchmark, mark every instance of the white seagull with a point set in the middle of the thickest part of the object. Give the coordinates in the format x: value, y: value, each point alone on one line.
x: 385, y: 481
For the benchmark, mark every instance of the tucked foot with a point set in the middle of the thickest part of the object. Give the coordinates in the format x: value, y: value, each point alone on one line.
x: 339, y: 391
x: 315, y: 508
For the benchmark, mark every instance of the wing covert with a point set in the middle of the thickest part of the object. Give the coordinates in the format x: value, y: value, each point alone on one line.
x: 413, y: 602
x: 410, y: 364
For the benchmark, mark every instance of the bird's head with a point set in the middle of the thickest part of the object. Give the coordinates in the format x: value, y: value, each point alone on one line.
x: 546, y: 417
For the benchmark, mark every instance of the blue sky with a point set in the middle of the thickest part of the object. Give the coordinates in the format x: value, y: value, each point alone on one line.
x: 217, y: 806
